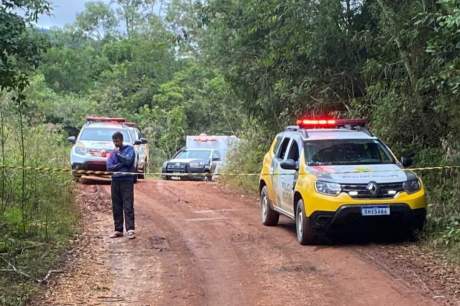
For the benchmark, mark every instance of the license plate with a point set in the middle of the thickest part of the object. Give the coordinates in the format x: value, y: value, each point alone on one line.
x: 375, y: 211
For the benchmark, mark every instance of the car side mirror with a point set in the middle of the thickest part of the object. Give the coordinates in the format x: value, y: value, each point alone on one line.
x: 137, y: 142
x: 406, y: 161
x: 144, y: 141
x: 216, y: 159
x: 72, y: 139
x: 289, y: 164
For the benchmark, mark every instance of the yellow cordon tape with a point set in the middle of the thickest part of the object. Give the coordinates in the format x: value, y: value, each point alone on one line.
x: 110, y: 173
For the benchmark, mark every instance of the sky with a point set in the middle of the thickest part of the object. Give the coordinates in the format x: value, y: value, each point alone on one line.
x: 63, y: 12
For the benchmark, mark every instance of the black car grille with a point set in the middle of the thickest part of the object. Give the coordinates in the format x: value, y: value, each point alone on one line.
x: 179, y: 167
x: 384, y: 190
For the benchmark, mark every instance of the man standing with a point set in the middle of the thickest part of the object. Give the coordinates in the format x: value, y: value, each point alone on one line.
x: 122, y: 160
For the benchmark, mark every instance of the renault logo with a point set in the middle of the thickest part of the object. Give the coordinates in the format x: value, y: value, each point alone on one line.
x: 372, y: 188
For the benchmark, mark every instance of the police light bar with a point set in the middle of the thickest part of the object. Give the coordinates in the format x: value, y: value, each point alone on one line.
x: 204, y: 138
x: 104, y: 119
x: 330, y: 123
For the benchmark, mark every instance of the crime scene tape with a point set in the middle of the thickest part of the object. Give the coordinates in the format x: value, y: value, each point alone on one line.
x: 180, y: 174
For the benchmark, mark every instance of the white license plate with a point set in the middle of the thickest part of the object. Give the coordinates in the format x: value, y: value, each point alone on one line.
x: 375, y: 211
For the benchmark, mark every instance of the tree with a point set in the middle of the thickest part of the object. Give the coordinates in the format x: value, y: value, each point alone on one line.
x: 97, y: 21
x: 135, y: 14
x: 18, y: 52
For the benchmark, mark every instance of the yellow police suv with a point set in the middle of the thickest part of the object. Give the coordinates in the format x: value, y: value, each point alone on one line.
x: 334, y: 173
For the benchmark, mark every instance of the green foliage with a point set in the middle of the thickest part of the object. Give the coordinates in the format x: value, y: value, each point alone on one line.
x: 97, y: 20
x: 19, y: 52
x: 37, y: 216
x: 248, y: 155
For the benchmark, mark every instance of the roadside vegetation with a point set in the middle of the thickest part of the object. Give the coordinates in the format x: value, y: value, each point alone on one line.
x: 247, y: 68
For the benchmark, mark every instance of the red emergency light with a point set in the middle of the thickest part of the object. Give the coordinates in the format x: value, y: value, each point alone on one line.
x: 204, y: 138
x: 329, y: 123
x: 104, y: 119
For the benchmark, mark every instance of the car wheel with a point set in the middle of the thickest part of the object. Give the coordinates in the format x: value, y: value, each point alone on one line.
x: 141, y: 176
x: 269, y: 216
x: 305, y: 232
x: 208, y: 177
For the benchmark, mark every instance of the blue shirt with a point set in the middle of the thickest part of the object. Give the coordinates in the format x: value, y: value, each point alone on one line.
x: 122, y: 161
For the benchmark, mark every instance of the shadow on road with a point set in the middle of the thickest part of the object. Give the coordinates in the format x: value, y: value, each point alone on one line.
x: 358, y: 235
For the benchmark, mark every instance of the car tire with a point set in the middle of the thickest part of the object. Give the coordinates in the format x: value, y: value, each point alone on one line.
x: 208, y: 177
x: 269, y: 216
x: 304, y: 229
x: 141, y: 176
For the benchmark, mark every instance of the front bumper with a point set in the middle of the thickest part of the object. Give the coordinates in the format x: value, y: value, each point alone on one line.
x: 349, y: 217
x: 91, y: 165
x: 186, y: 173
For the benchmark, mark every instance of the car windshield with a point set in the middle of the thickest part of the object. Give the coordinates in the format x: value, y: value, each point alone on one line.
x: 198, y: 154
x: 102, y: 134
x: 346, y: 152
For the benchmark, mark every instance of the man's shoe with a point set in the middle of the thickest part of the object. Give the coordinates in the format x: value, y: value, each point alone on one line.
x: 131, y: 234
x: 116, y: 234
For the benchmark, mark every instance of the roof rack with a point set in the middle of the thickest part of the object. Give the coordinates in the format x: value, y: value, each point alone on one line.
x: 292, y: 128
x: 296, y: 128
x: 361, y: 129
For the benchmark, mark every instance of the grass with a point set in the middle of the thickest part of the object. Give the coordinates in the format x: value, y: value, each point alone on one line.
x: 38, y: 218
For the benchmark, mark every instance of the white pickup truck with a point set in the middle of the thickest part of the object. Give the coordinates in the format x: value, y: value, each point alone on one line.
x: 202, y: 157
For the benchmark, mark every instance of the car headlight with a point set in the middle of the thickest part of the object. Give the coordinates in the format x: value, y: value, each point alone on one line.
x: 197, y: 164
x: 412, y: 185
x: 328, y: 188
x: 81, y: 150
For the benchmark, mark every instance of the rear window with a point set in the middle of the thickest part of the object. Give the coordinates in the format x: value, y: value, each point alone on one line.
x: 102, y: 134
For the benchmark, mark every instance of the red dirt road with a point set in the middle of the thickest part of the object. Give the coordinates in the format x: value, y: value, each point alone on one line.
x: 200, y: 244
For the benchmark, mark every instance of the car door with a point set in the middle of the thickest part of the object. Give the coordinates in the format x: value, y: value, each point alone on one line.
x: 141, y: 149
x: 133, y: 137
x: 288, y: 178
x: 216, y: 161
x: 276, y: 170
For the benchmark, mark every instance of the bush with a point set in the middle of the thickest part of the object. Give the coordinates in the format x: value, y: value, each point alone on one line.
x: 247, y: 157
x: 37, y: 215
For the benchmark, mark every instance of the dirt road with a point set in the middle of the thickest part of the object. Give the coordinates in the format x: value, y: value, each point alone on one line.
x: 200, y: 244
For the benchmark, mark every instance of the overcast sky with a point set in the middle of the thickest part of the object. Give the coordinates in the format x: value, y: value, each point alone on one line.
x: 63, y: 12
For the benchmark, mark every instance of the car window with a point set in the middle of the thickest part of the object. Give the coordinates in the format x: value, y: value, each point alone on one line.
x: 294, y: 151
x: 277, y: 143
x: 102, y: 134
x: 346, y: 152
x: 139, y: 134
x: 282, y: 150
x: 133, y: 134
x: 198, y: 154
x: 216, y: 154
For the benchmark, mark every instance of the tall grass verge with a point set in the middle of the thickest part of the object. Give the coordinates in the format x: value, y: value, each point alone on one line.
x: 37, y: 215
